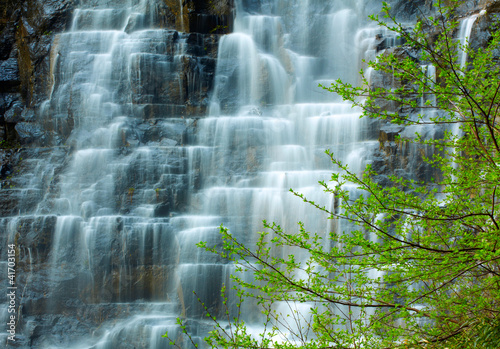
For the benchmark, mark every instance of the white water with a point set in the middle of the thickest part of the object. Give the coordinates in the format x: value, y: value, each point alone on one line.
x: 463, y: 37
x: 267, y: 129
x: 269, y: 125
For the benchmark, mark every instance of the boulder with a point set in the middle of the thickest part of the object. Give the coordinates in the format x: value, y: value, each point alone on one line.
x: 30, y: 132
x: 14, y: 114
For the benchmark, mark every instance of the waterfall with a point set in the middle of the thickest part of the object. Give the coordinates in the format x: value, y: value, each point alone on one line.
x: 267, y: 130
x: 464, y: 34
x: 144, y: 183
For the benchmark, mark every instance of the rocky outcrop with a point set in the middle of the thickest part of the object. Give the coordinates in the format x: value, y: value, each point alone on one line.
x: 202, y: 16
x: 27, y: 30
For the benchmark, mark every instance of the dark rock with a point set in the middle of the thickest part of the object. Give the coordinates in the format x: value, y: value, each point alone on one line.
x: 29, y: 133
x: 484, y: 25
x: 389, y: 132
x: 210, y: 24
x: 28, y: 115
x: 7, y: 41
x: 6, y: 170
x: 7, y: 100
x: 380, y: 43
x: 201, y: 45
x: 8, y: 117
x: 162, y: 210
x: 14, y: 114
x: 201, y: 16
x: 9, y: 75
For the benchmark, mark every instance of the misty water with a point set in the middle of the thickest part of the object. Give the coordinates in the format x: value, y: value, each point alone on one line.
x: 127, y: 213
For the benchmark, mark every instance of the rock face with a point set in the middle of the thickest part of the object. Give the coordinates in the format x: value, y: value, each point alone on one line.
x: 395, y: 154
x: 201, y: 16
x: 25, y: 40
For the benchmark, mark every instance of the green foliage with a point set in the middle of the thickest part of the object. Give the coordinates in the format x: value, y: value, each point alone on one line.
x: 217, y: 28
x: 6, y: 144
x: 419, y: 268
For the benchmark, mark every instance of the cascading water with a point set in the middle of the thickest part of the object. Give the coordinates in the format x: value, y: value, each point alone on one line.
x: 105, y: 246
x: 122, y: 225
x: 464, y: 34
x: 269, y: 123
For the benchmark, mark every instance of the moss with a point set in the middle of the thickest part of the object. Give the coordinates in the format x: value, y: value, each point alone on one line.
x: 191, y: 8
x: 181, y: 24
x: 9, y: 144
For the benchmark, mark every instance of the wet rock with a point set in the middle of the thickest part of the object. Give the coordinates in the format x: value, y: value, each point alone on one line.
x: 409, y: 10
x: 38, y: 24
x: 201, y: 45
x: 135, y: 22
x: 29, y: 133
x: 60, y: 287
x: 162, y: 210
x: 35, y: 234
x: 7, y: 100
x: 28, y: 115
x: 482, y: 30
x: 201, y: 16
x: 172, y: 88
x: 8, y: 201
x: 389, y: 132
x: 209, y: 24
x: 10, y: 79
x: 6, y: 170
x: 14, y: 114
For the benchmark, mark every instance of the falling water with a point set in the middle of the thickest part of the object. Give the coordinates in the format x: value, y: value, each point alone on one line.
x: 267, y: 130
x: 464, y: 34
x: 128, y: 209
